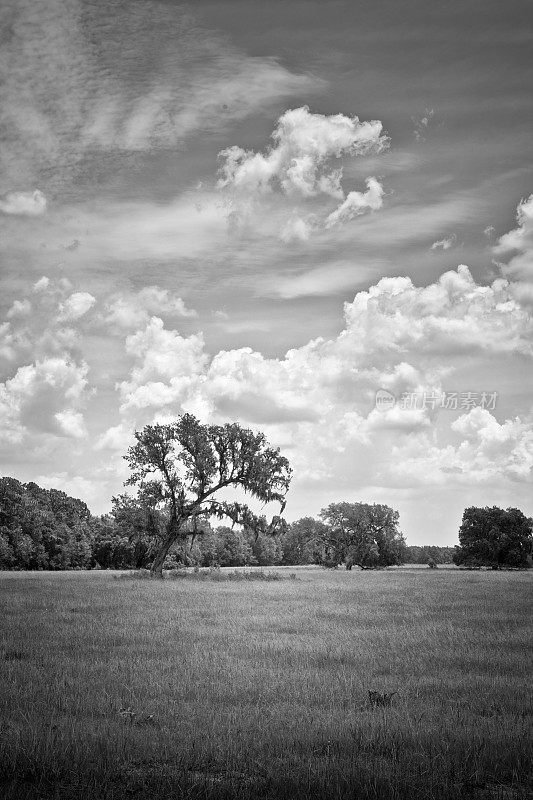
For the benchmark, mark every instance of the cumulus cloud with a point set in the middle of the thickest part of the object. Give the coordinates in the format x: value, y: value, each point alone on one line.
x: 45, y: 385
x: 42, y: 284
x: 445, y: 244
x: 76, y: 306
x: 43, y: 398
x: 126, y: 311
x: 318, y: 401
x: 23, y: 204
x: 118, y: 437
x: 71, y: 423
x: 303, y: 164
x: 451, y: 316
x: 357, y: 203
x: 487, y: 451
x: 299, y: 163
x: 167, y: 364
x: 20, y: 308
x: 517, y: 245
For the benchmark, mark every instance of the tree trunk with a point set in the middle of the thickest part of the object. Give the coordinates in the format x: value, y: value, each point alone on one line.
x: 156, y: 570
x: 173, y: 532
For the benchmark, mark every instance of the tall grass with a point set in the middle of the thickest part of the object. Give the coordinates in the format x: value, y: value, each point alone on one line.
x: 227, y: 689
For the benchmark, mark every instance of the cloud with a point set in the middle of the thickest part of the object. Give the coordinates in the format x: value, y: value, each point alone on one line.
x: 423, y: 124
x: 72, y: 98
x: 189, y: 226
x: 42, y: 284
x: 24, y: 204
x: 299, y: 163
x: 43, y: 398
x: 303, y: 164
x: 71, y: 423
x: 166, y: 366
x: 126, y: 311
x: 445, y: 244
x: 118, y: 437
x: 45, y: 385
x: 451, y: 316
x: 487, y: 451
x: 397, y: 419
x: 517, y: 245
x: 7, y: 351
x: 318, y: 401
x: 76, y: 306
x: 297, y: 229
x: 357, y: 203
x: 74, y: 485
x: 20, y: 308
x: 323, y: 280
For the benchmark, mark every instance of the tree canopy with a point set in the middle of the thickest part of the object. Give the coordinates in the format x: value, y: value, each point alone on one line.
x: 362, y: 534
x: 494, y: 537
x: 182, y: 468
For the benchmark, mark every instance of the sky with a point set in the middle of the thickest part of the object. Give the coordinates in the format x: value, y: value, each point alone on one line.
x: 315, y: 219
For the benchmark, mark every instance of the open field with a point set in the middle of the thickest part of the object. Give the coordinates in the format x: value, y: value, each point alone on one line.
x: 115, y: 688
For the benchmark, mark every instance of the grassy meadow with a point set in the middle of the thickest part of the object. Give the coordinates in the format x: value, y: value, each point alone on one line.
x: 114, y: 687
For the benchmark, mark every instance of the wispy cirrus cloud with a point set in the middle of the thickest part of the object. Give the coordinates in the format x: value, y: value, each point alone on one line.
x: 75, y: 104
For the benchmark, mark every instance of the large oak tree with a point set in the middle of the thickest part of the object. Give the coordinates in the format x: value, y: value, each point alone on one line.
x: 494, y: 537
x: 362, y: 534
x: 183, y: 468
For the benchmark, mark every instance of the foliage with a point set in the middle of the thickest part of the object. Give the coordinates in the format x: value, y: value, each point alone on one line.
x: 181, y: 469
x: 302, y: 542
x: 423, y: 554
x: 362, y: 534
x: 45, y: 529
x: 42, y: 528
x: 494, y: 537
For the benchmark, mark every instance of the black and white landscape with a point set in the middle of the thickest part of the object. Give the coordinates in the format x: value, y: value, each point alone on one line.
x: 266, y: 332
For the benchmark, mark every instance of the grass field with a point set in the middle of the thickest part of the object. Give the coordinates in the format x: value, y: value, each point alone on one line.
x: 115, y: 688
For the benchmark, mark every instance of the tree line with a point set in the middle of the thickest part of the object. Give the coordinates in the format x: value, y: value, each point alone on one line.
x: 181, y: 473
x: 45, y: 529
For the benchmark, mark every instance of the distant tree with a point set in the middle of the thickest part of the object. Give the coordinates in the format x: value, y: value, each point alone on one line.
x: 181, y: 470
x: 303, y: 542
x: 232, y: 547
x: 494, y: 537
x: 43, y: 528
x: 7, y: 555
x: 416, y: 554
x: 362, y: 534
x: 266, y: 550
x: 141, y: 524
